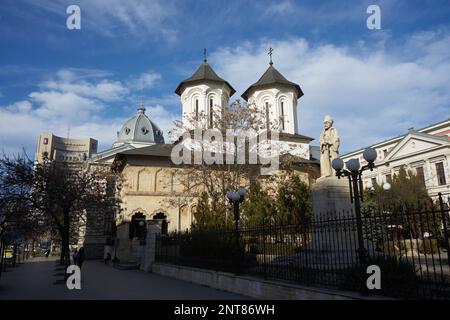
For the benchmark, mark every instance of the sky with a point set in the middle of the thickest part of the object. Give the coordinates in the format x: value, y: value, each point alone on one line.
x: 376, y: 84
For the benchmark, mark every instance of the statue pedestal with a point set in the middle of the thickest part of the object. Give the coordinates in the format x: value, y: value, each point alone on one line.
x: 334, y: 235
x: 330, y: 194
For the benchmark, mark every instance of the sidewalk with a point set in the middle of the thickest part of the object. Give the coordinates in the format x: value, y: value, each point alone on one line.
x: 36, y: 279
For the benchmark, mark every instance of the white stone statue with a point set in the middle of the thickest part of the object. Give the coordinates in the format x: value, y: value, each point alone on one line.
x: 329, y: 147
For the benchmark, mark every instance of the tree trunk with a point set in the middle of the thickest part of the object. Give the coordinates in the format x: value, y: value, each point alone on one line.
x: 61, y: 254
x: 65, y: 250
x: 1, y: 256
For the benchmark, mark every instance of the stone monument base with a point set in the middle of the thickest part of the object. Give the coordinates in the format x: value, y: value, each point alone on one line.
x: 334, y: 234
x: 331, y: 194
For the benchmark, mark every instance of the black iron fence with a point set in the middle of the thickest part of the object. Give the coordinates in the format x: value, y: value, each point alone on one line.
x: 409, y: 245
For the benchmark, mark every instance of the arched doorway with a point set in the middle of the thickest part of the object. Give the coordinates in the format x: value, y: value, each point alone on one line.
x: 138, y: 227
x: 163, y: 218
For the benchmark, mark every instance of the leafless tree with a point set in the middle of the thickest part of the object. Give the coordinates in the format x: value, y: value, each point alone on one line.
x: 53, y: 195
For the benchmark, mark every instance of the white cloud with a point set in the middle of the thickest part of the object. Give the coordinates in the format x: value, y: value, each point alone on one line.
x: 72, y: 81
x: 283, y: 7
x: 372, y: 93
x: 20, y: 106
x: 75, y: 99
x: 112, y: 18
x: 168, y: 100
x: 66, y: 106
x: 21, y: 130
x: 145, y: 80
x: 164, y: 119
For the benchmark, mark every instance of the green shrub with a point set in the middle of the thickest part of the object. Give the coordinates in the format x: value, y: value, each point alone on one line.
x: 398, y: 277
x: 216, y: 251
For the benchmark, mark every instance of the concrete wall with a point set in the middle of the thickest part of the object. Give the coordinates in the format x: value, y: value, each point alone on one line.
x: 252, y: 287
x: 244, y: 285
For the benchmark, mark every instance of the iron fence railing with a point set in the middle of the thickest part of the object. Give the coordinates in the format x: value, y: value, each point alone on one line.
x: 410, y: 246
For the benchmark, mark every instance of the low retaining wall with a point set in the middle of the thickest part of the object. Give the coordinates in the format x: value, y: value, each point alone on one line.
x: 250, y: 286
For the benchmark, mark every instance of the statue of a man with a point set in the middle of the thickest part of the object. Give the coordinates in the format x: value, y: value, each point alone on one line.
x: 329, y: 147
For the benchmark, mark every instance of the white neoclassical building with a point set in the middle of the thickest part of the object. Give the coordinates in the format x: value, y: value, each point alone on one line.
x: 425, y: 151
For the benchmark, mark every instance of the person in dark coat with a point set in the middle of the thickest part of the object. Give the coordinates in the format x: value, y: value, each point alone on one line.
x: 108, y: 258
x: 80, y: 257
x: 74, y: 256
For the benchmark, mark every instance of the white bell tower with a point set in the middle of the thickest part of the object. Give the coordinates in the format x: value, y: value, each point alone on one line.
x: 277, y: 97
x: 203, y: 96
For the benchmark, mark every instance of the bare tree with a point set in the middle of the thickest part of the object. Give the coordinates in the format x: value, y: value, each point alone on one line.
x: 55, y: 196
x: 244, y: 124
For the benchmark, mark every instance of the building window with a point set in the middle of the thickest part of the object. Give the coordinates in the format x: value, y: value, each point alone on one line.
x: 45, y: 140
x: 374, y: 181
x: 389, y: 178
x: 211, y: 104
x: 196, y: 109
x: 282, y: 115
x: 420, y: 174
x: 267, y: 115
x: 385, y: 152
x: 440, y: 173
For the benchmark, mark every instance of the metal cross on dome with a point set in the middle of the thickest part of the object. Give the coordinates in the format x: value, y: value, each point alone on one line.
x: 204, y: 54
x: 270, y: 54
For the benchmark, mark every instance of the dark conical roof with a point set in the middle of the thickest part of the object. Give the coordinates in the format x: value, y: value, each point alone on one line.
x: 270, y: 77
x: 204, y: 72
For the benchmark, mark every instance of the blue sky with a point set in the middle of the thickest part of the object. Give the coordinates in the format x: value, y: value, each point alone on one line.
x: 375, y: 83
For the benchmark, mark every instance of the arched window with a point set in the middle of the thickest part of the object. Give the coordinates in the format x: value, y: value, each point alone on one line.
x: 282, y: 116
x: 163, y: 218
x: 211, y: 112
x: 196, y: 109
x: 184, y: 221
x: 267, y: 114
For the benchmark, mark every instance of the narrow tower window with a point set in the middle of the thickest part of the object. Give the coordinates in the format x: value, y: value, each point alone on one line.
x: 196, y: 109
x: 211, y: 111
x: 282, y: 115
x: 267, y: 115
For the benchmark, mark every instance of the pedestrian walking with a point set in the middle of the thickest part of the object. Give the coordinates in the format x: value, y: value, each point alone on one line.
x: 74, y: 256
x: 108, y: 258
x: 80, y: 257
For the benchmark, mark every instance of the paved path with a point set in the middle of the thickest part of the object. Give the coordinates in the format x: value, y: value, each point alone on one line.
x: 36, y: 279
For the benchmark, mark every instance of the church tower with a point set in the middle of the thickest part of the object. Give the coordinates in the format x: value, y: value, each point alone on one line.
x: 203, y: 93
x: 277, y: 97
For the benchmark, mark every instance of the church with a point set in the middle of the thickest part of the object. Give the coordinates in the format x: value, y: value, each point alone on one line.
x: 140, y: 155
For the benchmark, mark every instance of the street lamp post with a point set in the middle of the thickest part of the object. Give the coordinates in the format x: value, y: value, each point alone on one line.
x: 386, y: 187
x: 235, y: 198
x: 354, y: 173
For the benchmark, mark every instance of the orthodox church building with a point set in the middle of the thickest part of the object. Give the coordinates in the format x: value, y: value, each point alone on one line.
x: 150, y: 188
